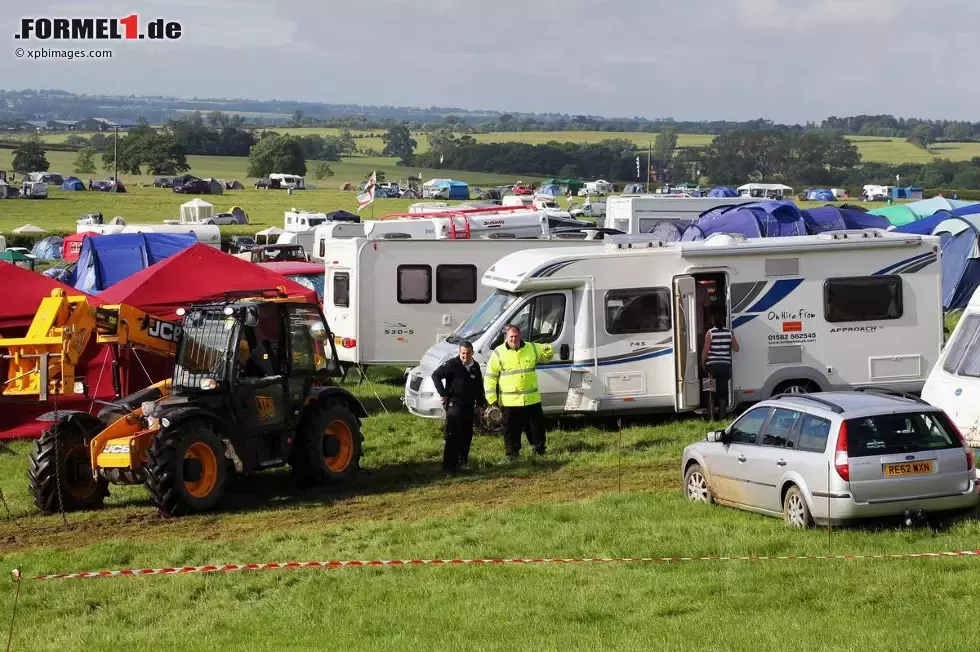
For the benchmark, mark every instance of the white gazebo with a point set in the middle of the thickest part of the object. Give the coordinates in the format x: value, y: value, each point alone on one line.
x: 29, y: 228
x: 196, y: 211
x: 268, y: 234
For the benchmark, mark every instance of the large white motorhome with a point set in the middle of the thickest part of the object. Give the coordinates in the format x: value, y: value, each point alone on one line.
x: 627, y: 320
x: 639, y: 213
x: 459, y: 224
x: 388, y: 301
x: 954, y: 384
x: 299, y: 227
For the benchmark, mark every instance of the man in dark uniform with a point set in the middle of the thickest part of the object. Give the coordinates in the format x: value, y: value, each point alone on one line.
x: 460, y: 384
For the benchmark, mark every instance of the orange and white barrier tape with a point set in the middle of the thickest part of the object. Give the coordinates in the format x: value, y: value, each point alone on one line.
x: 187, y: 570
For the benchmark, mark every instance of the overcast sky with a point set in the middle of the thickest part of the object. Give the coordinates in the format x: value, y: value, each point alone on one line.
x: 787, y: 60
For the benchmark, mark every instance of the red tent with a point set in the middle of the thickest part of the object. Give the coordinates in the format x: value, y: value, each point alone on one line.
x: 196, y: 273
x: 22, y: 294
x: 72, y: 245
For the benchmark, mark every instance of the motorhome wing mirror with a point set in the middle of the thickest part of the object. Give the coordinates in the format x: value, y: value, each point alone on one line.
x: 716, y: 436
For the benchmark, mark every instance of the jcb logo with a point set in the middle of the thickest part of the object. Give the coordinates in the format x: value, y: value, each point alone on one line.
x: 265, y: 407
x: 116, y: 448
x: 164, y: 330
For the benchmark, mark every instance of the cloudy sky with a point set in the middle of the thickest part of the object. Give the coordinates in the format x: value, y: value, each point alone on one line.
x: 787, y: 60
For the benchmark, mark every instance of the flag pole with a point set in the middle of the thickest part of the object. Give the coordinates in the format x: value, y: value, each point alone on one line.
x: 649, y: 157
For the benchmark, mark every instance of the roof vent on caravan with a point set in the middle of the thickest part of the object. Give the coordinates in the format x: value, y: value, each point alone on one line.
x: 633, y: 241
x: 862, y: 234
x: 396, y: 236
x: 723, y: 239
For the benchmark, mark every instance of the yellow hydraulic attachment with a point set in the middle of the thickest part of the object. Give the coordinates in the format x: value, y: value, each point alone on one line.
x: 43, y: 361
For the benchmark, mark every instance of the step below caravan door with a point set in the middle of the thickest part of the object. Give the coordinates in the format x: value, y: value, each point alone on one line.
x: 687, y: 393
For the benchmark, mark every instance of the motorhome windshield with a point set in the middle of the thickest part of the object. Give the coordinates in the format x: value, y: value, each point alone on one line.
x: 483, y: 317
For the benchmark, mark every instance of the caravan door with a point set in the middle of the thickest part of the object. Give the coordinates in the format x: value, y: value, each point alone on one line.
x: 547, y: 319
x: 687, y: 393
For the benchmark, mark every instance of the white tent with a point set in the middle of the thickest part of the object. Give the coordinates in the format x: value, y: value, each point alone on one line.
x: 196, y: 211
x: 267, y: 234
x: 29, y: 228
x: 764, y: 190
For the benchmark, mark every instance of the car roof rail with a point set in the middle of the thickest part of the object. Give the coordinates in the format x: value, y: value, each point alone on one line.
x: 830, y: 405
x: 893, y: 393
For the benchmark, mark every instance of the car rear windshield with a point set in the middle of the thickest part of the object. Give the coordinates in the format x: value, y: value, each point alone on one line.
x: 888, y: 434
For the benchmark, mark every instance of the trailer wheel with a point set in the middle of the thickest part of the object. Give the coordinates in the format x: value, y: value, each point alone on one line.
x: 796, y: 386
x: 60, y: 459
x: 327, y: 449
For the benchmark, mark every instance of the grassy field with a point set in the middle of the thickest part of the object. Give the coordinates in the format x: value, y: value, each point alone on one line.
x: 883, y: 150
x: 597, y: 493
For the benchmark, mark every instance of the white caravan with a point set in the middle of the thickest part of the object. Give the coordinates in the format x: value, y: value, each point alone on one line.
x: 459, y: 224
x: 388, y: 301
x: 290, y: 181
x: 954, y: 384
x: 627, y: 320
x: 639, y: 213
x: 299, y: 227
x: 205, y: 233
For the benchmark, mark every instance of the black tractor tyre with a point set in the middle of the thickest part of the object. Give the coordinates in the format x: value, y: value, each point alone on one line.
x: 61, y: 457
x: 186, y: 470
x: 327, y: 449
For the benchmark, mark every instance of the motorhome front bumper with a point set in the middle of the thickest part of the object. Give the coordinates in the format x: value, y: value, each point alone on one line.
x: 421, y: 397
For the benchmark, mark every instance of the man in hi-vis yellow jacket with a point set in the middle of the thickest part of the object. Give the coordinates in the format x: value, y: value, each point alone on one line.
x: 511, y: 370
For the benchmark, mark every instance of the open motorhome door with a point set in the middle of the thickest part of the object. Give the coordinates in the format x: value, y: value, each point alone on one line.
x: 687, y: 393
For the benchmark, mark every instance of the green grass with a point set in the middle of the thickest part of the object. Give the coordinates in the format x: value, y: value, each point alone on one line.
x: 596, y: 494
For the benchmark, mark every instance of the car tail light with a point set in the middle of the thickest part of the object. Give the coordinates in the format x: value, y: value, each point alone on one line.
x: 348, y: 342
x: 970, y: 462
x: 840, y: 453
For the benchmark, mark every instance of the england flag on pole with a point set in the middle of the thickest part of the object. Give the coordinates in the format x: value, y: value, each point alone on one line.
x: 367, y: 196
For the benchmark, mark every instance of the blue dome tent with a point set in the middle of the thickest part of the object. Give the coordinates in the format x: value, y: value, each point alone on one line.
x: 819, y: 194
x: 71, y: 183
x: 550, y: 189
x: 722, y: 191
x: 959, y: 253
x: 834, y: 218
x: 108, y: 259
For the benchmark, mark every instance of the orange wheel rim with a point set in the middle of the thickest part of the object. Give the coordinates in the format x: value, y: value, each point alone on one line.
x: 343, y: 439
x: 79, y: 455
x: 204, y: 454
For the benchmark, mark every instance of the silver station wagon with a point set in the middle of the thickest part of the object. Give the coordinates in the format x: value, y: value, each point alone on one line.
x: 835, y: 456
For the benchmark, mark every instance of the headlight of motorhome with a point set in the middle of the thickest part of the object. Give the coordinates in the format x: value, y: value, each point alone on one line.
x: 208, y: 383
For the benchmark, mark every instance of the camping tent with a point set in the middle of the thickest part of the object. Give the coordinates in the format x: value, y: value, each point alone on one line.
x: 670, y: 230
x: 550, y: 189
x: 49, y: 248
x: 959, y: 254
x: 240, y: 213
x: 457, y: 189
x: 722, y: 191
x: 18, y: 258
x: 108, y: 259
x: 901, y: 214
x: 347, y: 185
x: 767, y: 219
x: 196, y: 273
x: 215, y: 186
x: 235, y: 185
x: 911, y: 192
x: 71, y: 245
x: 819, y: 194
x: 71, y: 183
x: 838, y: 218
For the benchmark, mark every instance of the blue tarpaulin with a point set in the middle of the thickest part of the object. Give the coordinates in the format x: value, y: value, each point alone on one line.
x: 108, y: 259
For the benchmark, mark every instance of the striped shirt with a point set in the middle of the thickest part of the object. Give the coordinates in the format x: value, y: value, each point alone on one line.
x: 721, y: 346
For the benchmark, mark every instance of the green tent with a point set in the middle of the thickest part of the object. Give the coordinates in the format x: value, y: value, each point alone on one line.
x: 18, y: 258
x: 897, y: 214
x: 572, y: 185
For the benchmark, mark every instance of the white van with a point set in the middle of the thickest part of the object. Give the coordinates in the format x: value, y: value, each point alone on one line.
x: 640, y: 213
x: 954, y: 384
x: 627, y: 320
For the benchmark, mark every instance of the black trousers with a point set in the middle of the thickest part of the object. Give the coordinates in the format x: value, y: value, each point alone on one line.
x: 524, y: 419
x: 722, y: 373
x: 459, y: 436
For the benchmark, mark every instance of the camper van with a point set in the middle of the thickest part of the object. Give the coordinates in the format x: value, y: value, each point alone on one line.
x: 459, y: 224
x: 639, y: 213
x: 299, y: 227
x: 291, y: 181
x: 205, y: 233
x: 388, y: 301
x: 627, y: 320
x: 954, y: 384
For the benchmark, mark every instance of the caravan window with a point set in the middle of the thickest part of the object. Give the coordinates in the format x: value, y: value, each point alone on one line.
x: 645, y: 310
x: 456, y: 284
x: 414, y: 284
x: 341, y: 289
x: 862, y: 298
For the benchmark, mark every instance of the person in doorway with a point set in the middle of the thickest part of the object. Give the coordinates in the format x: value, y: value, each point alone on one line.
x: 460, y: 384
x: 512, y: 371
x: 719, y: 342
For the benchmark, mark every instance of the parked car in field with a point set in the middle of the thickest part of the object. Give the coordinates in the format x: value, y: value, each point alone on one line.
x: 193, y: 187
x: 163, y: 182
x: 522, y: 189
x: 241, y: 243
x: 108, y: 185
x: 225, y: 219
x: 835, y: 456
